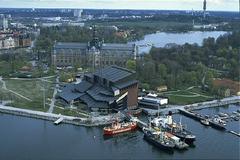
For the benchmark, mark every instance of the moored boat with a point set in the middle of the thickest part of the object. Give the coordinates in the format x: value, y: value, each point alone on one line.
x: 217, y: 123
x: 158, y: 139
x: 176, y: 129
x: 205, y: 122
x: 117, y: 128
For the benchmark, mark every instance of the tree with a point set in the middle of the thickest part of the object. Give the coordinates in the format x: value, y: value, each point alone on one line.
x: 131, y: 64
x: 162, y: 70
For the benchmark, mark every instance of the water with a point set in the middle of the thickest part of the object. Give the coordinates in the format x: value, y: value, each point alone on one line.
x: 26, y: 138
x: 163, y: 38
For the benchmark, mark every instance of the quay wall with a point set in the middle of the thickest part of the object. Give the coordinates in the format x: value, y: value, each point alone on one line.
x: 51, y: 116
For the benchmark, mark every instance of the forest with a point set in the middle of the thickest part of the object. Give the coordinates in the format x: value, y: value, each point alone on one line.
x: 191, y: 65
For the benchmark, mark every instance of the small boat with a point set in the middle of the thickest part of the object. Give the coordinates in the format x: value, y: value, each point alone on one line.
x: 205, y: 122
x: 236, y: 118
x: 234, y: 112
x: 158, y: 139
x: 223, y: 114
x: 117, y: 128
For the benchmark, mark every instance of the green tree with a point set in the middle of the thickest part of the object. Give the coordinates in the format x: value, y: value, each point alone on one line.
x: 131, y: 64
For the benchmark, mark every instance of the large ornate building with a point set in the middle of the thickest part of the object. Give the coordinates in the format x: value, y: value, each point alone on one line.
x: 95, y: 54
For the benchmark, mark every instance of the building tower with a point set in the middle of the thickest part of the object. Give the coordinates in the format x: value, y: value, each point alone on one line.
x: 94, y: 47
x: 4, y: 22
x: 204, y: 8
x: 78, y: 13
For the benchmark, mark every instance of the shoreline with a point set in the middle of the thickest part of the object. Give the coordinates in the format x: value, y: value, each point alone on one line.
x: 106, y: 120
x: 86, y: 122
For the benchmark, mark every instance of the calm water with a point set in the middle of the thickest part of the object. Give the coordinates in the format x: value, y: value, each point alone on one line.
x: 25, y: 138
x: 163, y: 38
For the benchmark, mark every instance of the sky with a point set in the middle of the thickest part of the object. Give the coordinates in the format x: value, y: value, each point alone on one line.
x: 212, y: 5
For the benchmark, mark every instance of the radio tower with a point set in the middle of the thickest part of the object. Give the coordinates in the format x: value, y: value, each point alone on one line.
x: 204, y: 8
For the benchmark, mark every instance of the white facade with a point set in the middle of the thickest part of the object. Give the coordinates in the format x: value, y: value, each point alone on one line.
x: 5, y: 23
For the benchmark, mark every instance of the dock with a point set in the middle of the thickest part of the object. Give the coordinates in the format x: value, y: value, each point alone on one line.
x: 199, y: 117
x: 131, y: 118
x: 195, y: 106
x: 58, y: 121
x: 235, y: 133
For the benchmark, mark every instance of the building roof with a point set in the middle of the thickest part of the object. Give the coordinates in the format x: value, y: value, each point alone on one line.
x: 67, y: 45
x: 113, y: 73
x: 68, y: 94
x: 91, y: 103
x: 117, y: 46
x: 82, y: 86
x: 105, y: 46
x: 125, y: 84
x: 97, y: 93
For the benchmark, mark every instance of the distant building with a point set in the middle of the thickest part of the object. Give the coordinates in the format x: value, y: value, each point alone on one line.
x: 105, y: 90
x: 94, y: 54
x: 5, y: 23
x: 77, y: 13
x: 8, y: 41
x: 162, y: 88
x: 204, y: 8
x: 24, y: 40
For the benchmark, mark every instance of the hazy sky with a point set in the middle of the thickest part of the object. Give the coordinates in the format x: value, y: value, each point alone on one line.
x: 225, y: 5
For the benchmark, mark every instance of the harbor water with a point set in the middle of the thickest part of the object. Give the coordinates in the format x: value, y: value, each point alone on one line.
x: 27, y: 138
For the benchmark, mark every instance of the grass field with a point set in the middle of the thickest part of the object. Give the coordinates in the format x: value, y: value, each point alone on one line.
x: 186, y: 100
x: 183, y: 97
x: 69, y: 112
x: 27, y: 94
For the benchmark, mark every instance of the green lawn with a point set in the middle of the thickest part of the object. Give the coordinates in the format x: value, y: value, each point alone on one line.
x: 185, y: 100
x: 31, y: 89
x: 69, y: 112
x: 184, y: 97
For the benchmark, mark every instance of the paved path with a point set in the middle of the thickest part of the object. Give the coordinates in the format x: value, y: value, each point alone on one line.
x: 3, y: 83
x: 50, y: 110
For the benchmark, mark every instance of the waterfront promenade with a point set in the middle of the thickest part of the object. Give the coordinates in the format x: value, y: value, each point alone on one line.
x: 91, y: 121
x: 195, y: 106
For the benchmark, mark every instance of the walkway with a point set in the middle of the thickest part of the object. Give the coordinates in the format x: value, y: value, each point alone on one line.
x: 195, y: 106
x: 50, y: 110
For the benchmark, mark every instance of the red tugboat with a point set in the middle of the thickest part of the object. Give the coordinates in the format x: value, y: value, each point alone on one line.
x: 117, y: 128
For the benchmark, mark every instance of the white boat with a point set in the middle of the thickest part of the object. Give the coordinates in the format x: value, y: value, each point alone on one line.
x: 205, y: 122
